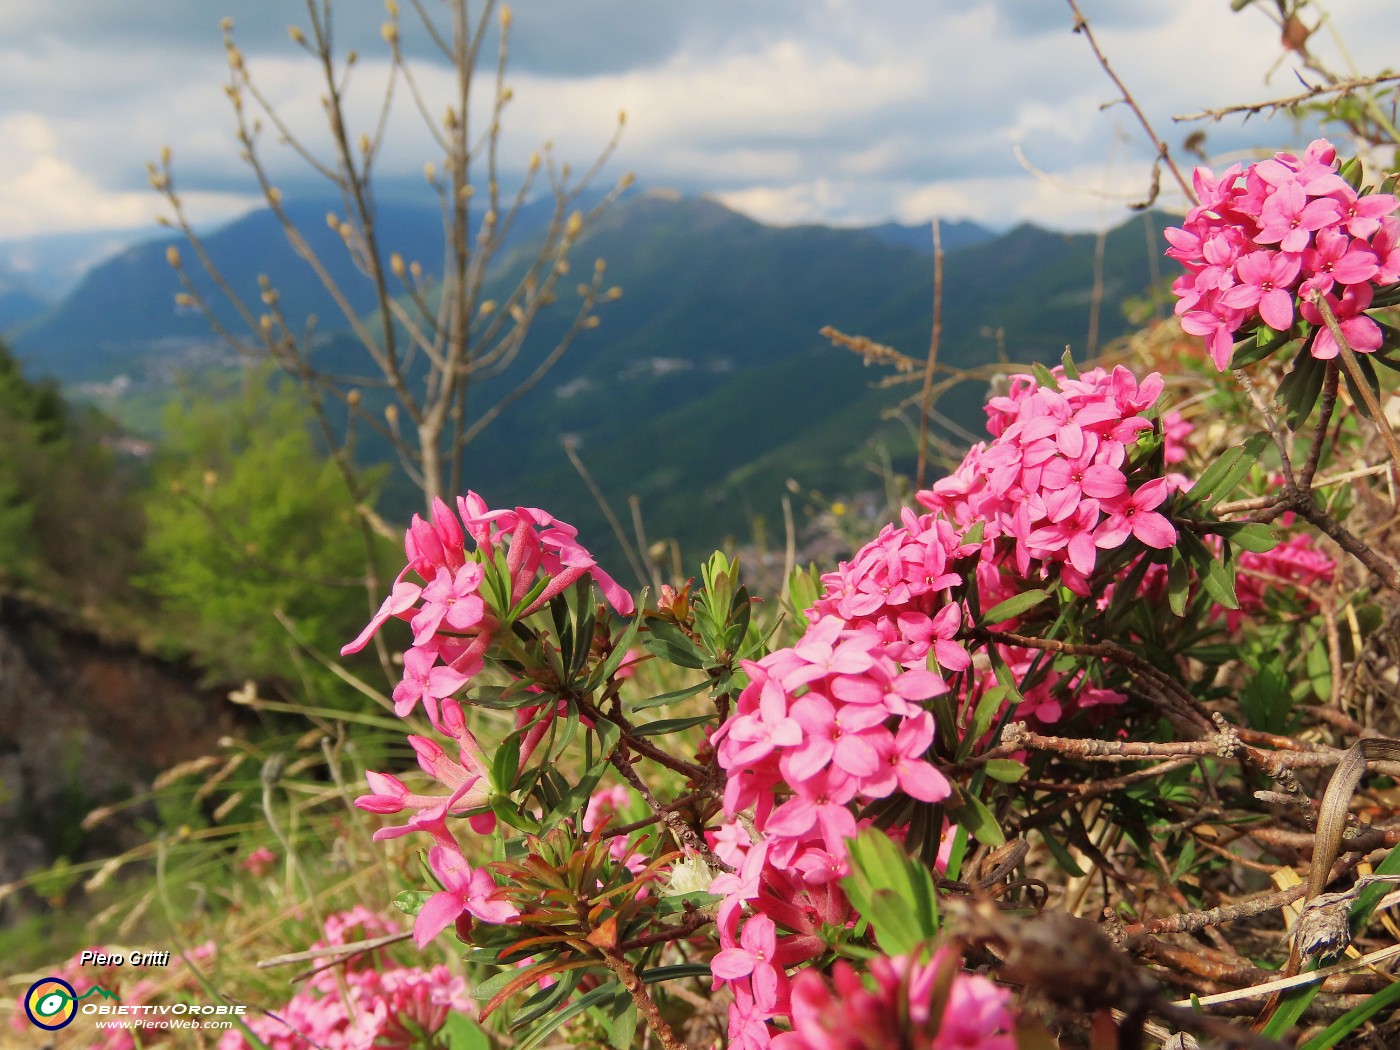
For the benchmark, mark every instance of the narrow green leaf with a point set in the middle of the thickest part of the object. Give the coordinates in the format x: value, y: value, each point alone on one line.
x: 1007, y: 770
x: 974, y: 815
x: 1353, y: 1019
x: 1266, y: 343
x: 662, y: 699
x: 1178, y: 585
x: 1300, y: 389
x: 622, y: 1026
x: 464, y: 1034
x: 1220, y: 478
x: 1067, y: 363
x: 1014, y: 606
x: 1254, y: 537
x: 609, y: 667
x: 672, y: 725
x: 986, y: 711
x: 1291, y: 1007
x: 1219, y: 582
x: 1062, y: 855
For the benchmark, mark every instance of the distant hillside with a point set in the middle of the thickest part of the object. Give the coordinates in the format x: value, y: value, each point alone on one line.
x: 123, y: 310
x: 952, y: 235
x: 707, y: 386
x: 20, y: 301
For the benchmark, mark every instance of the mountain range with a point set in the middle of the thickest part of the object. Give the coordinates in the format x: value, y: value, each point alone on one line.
x: 706, y: 387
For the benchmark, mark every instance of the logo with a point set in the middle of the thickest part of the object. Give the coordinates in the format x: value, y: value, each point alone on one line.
x: 51, y: 1002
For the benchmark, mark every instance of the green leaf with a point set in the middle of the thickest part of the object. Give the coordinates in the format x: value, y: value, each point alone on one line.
x: 672, y: 725
x: 1219, y: 582
x: 1220, y: 478
x: 622, y: 1025
x: 1062, y: 855
x: 974, y: 815
x: 1014, y: 606
x: 1007, y: 770
x: 1253, y: 536
x: 1368, y: 898
x: 1353, y: 1019
x: 411, y: 902
x: 893, y: 891
x: 1292, y: 1006
x: 578, y: 794
x: 674, y: 972
x: 1178, y: 584
x: 487, y: 989
x: 464, y: 1034
x: 506, y: 764
x: 1266, y: 343
x: 987, y: 707
x: 663, y: 699
x: 599, y: 996
x: 1368, y: 373
x: 1044, y: 376
x: 609, y: 667
x: 1067, y: 363
x: 509, y: 811
x: 1301, y: 387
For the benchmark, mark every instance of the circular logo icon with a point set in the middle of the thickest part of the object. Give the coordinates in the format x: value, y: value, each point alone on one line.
x: 51, y: 1003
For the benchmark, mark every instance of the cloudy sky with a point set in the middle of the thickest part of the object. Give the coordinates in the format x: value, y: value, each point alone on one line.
x: 844, y: 111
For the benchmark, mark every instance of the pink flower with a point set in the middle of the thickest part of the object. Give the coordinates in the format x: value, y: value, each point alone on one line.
x: 1289, y: 217
x: 1266, y: 279
x: 258, y: 862
x: 1136, y: 515
x: 752, y: 958
x: 1362, y: 334
x: 466, y: 889
x: 424, y: 681
x: 1337, y: 258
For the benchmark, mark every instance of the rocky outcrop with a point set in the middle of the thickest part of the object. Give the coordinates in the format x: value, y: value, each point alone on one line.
x: 85, y: 721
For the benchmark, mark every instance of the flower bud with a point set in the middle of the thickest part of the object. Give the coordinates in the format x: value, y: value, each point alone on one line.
x: 172, y: 255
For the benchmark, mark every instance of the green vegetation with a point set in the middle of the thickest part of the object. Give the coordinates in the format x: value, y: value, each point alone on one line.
x: 247, y: 519
x: 69, y: 524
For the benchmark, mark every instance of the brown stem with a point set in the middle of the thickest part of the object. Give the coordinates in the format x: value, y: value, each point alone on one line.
x: 926, y: 399
x: 646, y: 1005
x: 684, y: 833
x: 1329, y: 402
x: 1081, y: 25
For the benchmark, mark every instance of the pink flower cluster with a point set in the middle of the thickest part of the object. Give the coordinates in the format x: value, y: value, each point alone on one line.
x: 385, y: 1007
x: 1297, y: 562
x: 1054, y: 480
x: 833, y: 721
x: 456, y: 612
x: 1269, y: 238
x: 898, y: 1011
x: 522, y: 559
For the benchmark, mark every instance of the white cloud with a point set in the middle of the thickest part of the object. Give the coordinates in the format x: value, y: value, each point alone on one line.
x: 41, y: 192
x: 845, y: 110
